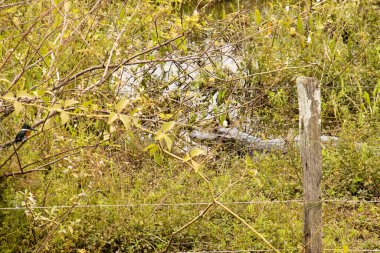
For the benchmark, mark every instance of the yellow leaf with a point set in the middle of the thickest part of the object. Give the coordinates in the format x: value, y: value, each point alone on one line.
x: 196, y: 152
x: 18, y: 107
x: 292, y: 31
x: 56, y: 107
x: 345, y: 249
x: 9, y: 96
x: 64, y: 117
x: 70, y: 102
x: 165, y: 116
x: 166, y: 127
x: 106, y: 136
x: 24, y: 94
x: 67, y: 6
x: 135, y: 121
x: 112, y: 117
x: 159, y: 135
x: 121, y: 105
x: 48, y: 123
x: 169, y: 142
x: 126, y: 120
x: 257, y: 17
x: 196, y: 166
x: 186, y: 158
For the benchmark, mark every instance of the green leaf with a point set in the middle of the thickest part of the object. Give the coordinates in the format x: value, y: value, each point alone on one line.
x: 24, y: 94
x: 158, y: 158
x: 18, y: 107
x: 299, y: 25
x: 28, y: 83
x: 150, y: 146
x: 367, y: 98
x: 70, y: 102
x: 112, y: 117
x: 196, y: 152
x: 257, y: 17
x: 65, y: 117
x: 126, y: 121
x: 169, y: 142
x: 248, y: 161
x: 121, y: 105
x: 166, y: 127
x: 9, y: 96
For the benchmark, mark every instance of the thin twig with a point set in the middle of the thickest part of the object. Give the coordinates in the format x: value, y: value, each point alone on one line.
x: 186, y: 225
x: 247, y: 225
x: 18, y: 158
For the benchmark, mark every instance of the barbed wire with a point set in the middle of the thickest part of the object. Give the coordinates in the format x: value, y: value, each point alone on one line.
x: 187, y: 204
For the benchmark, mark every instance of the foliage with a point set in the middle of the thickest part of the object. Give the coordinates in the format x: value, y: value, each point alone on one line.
x: 115, y: 87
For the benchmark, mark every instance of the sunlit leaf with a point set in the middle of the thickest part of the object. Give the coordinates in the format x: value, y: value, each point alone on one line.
x: 126, y: 121
x: 112, y: 117
x: 70, y: 102
x: 67, y: 6
x: 196, y: 166
x: 65, y: 117
x: 196, y: 152
x: 165, y: 116
x: 24, y: 94
x: 9, y: 96
x: 106, y: 136
x: 166, y: 127
x: 48, y: 123
x: 150, y: 146
x: 292, y: 31
x: 169, y: 142
x: 18, y: 107
x: 121, y: 105
x: 186, y: 158
x: 39, y: 92
x: 56, y: 107
x: 257, y: 17
x: 367, y: 98
x: 159, y: 135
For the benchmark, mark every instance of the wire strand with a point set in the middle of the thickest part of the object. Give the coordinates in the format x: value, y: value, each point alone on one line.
x: 187, y: 204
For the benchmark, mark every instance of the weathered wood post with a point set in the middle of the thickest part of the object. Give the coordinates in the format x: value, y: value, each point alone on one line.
x: 309, y: 101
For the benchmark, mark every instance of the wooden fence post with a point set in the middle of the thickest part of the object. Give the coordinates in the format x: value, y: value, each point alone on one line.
x: 309, y: 101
